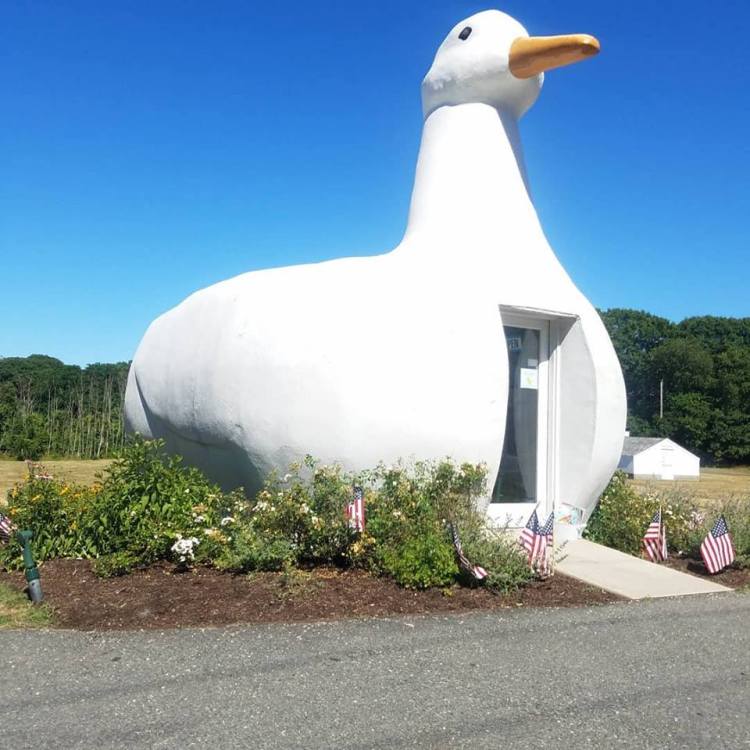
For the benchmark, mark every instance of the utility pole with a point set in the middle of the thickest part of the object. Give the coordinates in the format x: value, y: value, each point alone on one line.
x: 661, y: 399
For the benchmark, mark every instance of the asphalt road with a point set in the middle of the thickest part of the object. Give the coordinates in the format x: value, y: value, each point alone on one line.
x: 656, y: 674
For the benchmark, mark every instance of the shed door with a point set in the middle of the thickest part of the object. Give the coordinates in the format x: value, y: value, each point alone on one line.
x: 667, y: 463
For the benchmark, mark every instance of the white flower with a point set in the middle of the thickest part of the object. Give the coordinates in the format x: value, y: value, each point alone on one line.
x: 304, y: 508
x: 286, y: 477
x: 226, y: 520
x: 262, y: 505
x: 199, y: 519
x: 184, y: 548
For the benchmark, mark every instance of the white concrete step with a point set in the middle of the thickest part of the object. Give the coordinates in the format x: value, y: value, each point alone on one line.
x: 629, y: 576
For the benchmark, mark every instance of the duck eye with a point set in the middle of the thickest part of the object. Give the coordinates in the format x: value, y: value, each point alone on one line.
x: 464, y: 35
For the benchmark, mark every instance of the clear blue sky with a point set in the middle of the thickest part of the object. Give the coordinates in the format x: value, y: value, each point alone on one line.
x: 148, y: 149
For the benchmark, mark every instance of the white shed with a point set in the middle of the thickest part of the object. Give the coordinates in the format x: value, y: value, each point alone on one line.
x: 658, y: 458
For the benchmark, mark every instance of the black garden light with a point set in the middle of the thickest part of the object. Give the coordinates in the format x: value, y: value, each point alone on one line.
x: 29, y: 566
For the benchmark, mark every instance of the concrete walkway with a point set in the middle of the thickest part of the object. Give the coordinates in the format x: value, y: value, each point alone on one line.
x: 629, y: 576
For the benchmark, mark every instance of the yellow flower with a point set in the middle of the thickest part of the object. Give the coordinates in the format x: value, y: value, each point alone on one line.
x: 216, y: 535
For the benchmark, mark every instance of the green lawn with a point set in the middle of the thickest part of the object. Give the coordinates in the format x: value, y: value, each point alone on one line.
x: 713, y: 486
x: 80, y: 471
x: 16, y: 611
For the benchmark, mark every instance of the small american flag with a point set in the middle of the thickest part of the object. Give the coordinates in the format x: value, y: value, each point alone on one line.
x: 355, y: 511
x: 655, y: 539
x: 547, y: 530
x: 7, y: 528
x: 533, y: 541
x: 463, y: 562
x: 717, y: 550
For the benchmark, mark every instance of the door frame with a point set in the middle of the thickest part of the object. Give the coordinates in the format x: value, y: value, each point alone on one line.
x: 552, y: 327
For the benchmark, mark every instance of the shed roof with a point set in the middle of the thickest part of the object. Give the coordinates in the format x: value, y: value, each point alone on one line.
x: 634, y: 445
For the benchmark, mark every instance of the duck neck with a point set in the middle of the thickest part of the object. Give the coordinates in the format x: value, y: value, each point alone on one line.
x: 470, y: 188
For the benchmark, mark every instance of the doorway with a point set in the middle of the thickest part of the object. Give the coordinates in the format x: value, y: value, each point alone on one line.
x: 523, y: 479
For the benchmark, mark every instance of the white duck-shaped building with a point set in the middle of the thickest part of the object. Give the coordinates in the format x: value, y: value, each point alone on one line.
x: 468, y: 340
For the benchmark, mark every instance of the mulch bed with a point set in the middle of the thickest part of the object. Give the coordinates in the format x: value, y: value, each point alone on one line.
x: 735, y: 578
x: 159, y: 597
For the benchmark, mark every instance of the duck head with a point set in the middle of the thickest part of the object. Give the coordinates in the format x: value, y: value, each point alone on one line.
x: 490, y: 58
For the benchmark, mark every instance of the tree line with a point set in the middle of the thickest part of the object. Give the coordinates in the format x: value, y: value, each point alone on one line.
x: 701, y: 365
x: 48, y: 408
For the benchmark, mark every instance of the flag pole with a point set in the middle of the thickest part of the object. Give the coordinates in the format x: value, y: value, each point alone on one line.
x: 662, y: 530
x: 554, y: 542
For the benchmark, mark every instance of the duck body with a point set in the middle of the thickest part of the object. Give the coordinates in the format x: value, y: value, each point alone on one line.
x: 354, y: 361
x: 401, y: 355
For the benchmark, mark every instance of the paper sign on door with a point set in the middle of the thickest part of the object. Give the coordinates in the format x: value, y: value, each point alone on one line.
x: 529, y: 378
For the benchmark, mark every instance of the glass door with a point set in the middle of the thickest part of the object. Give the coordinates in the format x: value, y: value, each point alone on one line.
x: 521, y: 482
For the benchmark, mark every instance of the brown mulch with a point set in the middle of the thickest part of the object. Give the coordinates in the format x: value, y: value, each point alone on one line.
x: 735, y: 578
x: 159, y: 597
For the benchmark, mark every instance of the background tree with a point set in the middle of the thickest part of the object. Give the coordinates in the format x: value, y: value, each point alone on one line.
x: 50, y: 408
x: 635, y: 334
x: 705, y: 364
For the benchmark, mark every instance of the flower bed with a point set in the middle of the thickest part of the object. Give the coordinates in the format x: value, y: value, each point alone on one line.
x: 148, y: 508
x: 158, y: 597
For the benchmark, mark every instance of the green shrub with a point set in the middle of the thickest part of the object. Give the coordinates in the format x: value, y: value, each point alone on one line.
x: 115, y: 564
x: 306, y: 511
x: 296, y: 520
x: 249, y: 552
x: 300, y: 519
x: 499, y: 554
x: 622, y: 516
x: 737, y: 513
x: 148, y: 499
x: 408, y: 535
x: 55, y: 512
x: 28, y: 441
x: 421, y: 560
x: 143, y: 503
